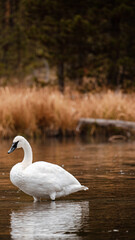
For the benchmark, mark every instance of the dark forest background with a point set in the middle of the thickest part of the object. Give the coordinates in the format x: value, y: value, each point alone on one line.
x: 91, y: 38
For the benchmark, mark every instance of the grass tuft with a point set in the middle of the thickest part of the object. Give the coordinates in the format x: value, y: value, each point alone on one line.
x: 33, y: 112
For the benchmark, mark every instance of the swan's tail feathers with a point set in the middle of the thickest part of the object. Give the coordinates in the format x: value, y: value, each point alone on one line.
x: 84, y: 188
x: 73, y: 188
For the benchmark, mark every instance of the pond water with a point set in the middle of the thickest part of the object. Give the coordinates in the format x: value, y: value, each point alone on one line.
x: 106, y: 211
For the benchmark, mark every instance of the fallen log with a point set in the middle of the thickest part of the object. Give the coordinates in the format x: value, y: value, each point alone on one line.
x: 116, y: 138
x: 127, y: 125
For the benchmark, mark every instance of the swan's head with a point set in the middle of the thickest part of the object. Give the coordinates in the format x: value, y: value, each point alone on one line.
x: 18, y: 142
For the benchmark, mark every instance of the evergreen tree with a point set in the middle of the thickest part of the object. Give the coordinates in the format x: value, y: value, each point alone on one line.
x: 61, y: 28
x: 73, y: 35
x: 114, y: 24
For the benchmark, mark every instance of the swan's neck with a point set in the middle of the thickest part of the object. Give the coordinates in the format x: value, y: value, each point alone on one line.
x: 27, y: 160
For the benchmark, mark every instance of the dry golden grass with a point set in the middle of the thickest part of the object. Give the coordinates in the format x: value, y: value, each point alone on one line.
x: 36, y: 111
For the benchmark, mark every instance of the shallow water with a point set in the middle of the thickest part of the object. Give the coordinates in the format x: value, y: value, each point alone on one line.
x: 106, y: 211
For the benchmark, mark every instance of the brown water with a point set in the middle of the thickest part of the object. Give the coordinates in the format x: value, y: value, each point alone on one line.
x: 106, y: 211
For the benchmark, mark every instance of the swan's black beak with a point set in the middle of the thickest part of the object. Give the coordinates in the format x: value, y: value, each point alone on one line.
x: 13, y: 147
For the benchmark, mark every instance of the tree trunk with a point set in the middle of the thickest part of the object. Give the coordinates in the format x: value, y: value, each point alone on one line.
x: 112, y: 76
x: 60, y: 74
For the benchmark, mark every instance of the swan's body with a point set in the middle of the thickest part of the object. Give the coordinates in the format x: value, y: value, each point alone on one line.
x: 41, y: 179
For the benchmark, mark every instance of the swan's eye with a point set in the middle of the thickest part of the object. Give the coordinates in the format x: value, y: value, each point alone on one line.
x: 13, y: 147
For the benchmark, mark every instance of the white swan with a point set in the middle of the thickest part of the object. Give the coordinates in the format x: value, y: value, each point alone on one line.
x: 41, y: 179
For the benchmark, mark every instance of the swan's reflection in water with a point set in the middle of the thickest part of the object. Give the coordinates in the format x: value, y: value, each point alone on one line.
x: 54, y: 220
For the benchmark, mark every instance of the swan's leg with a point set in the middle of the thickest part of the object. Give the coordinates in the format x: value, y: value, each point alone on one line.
x: 36, y: 199
x: 52, y: 196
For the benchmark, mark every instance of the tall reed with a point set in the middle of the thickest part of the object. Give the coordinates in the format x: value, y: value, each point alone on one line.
x: 36, y: 111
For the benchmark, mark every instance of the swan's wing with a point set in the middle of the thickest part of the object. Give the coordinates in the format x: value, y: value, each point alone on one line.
x: 49, y: 177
